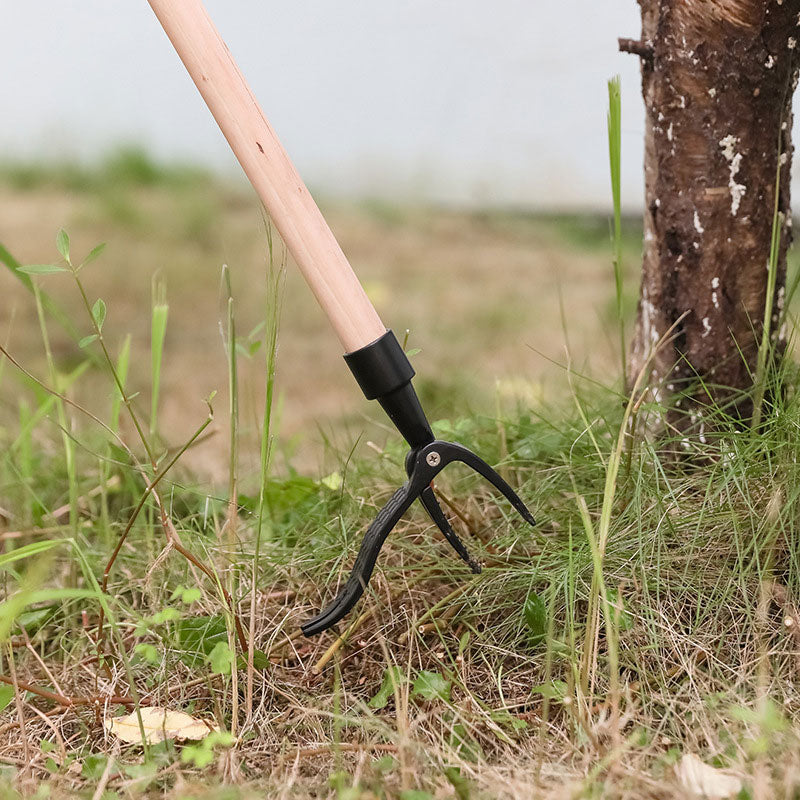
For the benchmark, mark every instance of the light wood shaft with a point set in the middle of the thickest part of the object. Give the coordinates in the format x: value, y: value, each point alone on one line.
x: 274, y: 177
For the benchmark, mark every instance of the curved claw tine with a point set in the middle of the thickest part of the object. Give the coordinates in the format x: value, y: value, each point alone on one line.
x: 374, y: 538
x: 459, y: 453
x: 428, y: 499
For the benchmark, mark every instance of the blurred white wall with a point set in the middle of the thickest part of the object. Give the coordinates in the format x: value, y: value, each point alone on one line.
x: 459, y: 101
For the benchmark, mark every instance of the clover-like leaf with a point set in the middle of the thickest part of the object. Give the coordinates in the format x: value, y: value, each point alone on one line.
x: 93, y: 254
x: 62, y: 244
x: 99, y: 313
x: 87, y: 340
x: 221, y: 659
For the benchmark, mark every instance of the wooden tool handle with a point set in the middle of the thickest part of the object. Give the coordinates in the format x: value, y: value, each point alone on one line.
x: 265, y: 162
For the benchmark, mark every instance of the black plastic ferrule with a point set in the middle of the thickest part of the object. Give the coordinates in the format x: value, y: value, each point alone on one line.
x: 380, y: 367
x: 384, y: 373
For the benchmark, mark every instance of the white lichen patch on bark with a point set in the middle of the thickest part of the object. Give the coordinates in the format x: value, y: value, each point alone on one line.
x: 714, y: 295
x: 649, y: 329
x: 734, y: 159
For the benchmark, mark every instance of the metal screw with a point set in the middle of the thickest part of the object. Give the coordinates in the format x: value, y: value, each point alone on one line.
x: 433, y: 459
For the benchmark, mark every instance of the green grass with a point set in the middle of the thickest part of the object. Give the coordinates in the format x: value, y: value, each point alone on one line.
x: 123, y: 167
x: 644, y: 619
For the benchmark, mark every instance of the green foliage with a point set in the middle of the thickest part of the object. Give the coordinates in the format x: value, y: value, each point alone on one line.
x: 535, y: 613
x: 148, y: 652
x: 42, y: 269
x: 62, y: 244
x: 199, y: 636
x: 6, y: 695
x: 459, y: 783
x: 393, y: 678
x: 99, y: 313
x: 431, y: 686
x: 221, y: 659
x: 187, y: 596
x: 202, y: 754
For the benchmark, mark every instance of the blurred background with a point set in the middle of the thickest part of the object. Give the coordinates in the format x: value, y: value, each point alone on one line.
x: 458, y: 149
x: 461, y: 102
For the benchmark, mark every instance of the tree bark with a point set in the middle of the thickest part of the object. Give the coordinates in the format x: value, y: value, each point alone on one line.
x: 717, y: 82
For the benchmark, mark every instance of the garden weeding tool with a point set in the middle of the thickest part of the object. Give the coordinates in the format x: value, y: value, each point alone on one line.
x: 373, y: 354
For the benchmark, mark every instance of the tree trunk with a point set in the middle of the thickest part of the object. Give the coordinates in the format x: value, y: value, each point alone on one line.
x: 717, y: 81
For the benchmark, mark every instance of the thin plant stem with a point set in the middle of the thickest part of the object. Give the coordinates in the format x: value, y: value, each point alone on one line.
x: 615, y: 162
x: 765, y: 350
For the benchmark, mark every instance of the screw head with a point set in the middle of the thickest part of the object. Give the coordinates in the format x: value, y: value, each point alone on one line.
x: 433, y: 459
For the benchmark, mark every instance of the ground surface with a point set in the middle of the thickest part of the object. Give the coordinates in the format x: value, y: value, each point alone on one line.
x: 648, y: 624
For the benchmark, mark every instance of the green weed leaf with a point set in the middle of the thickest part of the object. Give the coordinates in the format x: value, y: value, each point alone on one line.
x: 99, y: 313
x: 198, y: 636
x: 62, y: 244
x: 555, y: 690
x: 332, y: 481
x: 33, y: 620
x: 393, y: 677
x: 464, y: 744
x: 93, y: 766
x: 509, y: 721
x: 458, y: 782
x: 535, y: 613
x: 42, y: 269
x: 260, y: 660
x: 186, y: 596
x: 6, y: 695
x: 166, y: 615
x: 87, y: 340
x: 431, y: 686
x: 32, y: 549
x: 384, y: 764
x: 202, y: 753
x: 147, y: 652
x: 221, y: 659
x: 93, y: 254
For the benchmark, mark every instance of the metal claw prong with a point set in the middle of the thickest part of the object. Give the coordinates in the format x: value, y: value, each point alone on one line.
x: 431, y: 504
x: 460, y: 453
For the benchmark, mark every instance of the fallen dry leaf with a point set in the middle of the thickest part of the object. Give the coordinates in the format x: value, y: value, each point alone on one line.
x: 159, y: 724
x: 703, y: 781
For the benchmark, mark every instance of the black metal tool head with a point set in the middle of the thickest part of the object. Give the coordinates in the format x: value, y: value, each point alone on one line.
x: 384, y: 374
x: 423, y: 464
